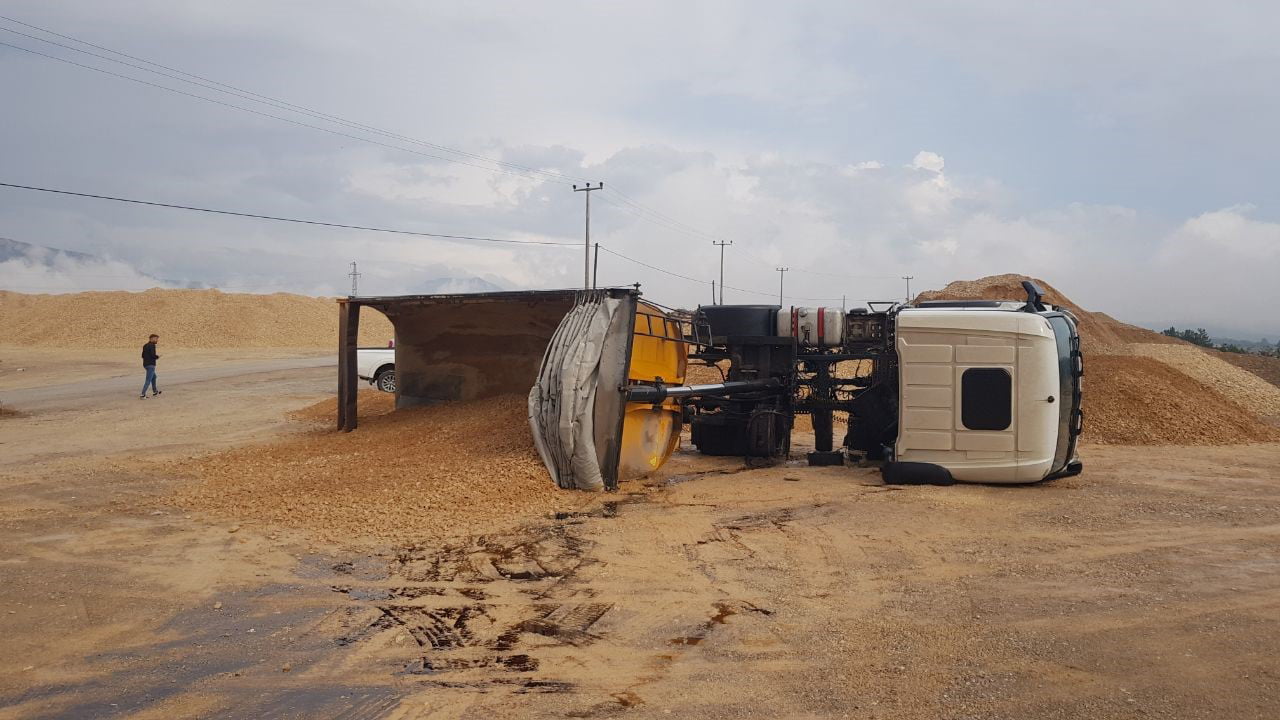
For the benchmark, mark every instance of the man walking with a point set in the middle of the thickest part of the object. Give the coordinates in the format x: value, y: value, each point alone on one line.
x: 149, y: 358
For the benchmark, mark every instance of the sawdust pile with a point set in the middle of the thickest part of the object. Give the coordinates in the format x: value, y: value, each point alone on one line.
x: 1099, y: 333
x: 1241, y: 386
x: 1141, y: 401
x: 182, y: 318
x: 405, y: 477
x: 1267, y: 368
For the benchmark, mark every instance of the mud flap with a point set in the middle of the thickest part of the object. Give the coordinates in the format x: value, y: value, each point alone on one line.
x: 576, y: 405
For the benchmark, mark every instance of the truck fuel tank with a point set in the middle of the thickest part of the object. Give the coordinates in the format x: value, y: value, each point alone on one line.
x: 812, y: 326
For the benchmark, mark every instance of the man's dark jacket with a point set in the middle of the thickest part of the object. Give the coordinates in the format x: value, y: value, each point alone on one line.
x: 149, y: 355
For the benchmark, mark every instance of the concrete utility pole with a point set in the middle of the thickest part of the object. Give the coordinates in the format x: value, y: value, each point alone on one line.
x: 782, y: 272
x: 586, y: 257
x: 908, y: 278
x: 354, y: 277
x: 721, y: 246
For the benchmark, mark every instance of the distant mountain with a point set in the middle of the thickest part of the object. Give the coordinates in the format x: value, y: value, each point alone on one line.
x: 453, y: 285
x: 15, y: 249
x: 70, y: 263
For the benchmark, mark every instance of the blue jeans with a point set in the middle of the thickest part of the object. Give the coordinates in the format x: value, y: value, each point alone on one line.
x: 151, y: 379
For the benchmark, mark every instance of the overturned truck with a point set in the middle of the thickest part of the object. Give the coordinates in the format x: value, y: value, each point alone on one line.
x: 973, y: 391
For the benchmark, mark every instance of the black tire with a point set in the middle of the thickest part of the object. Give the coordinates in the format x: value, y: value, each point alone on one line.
x: 386, y: 381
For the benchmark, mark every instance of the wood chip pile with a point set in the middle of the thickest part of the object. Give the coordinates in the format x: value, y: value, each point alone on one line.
x: 182, y: 318
x: 1241, y: 386
x: 405, y: 477
x: 1141, y: 401
x: 1267, y: 368
x: 1099, y: 333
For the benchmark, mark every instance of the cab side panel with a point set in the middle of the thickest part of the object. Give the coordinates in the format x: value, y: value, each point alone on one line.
x: 970, y: 393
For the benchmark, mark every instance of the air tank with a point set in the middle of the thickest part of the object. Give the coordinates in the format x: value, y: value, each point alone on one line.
x: 812, y: 326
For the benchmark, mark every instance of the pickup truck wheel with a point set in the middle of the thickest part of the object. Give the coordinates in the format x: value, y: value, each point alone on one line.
x: 386, y: 381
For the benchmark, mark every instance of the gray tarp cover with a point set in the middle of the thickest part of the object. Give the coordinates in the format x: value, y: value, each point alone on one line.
x: 562, y: 402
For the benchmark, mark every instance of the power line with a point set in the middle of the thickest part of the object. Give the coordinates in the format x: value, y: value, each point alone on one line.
x: 256, y: 216
x: 672, y: 273
x: 640, y: 210
x: 210, y: 84
x: 261, y: 113
x: 654, y: 267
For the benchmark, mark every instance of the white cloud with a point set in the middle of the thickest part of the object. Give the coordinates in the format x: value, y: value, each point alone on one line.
x: 41, y: 271
x: 925, y: 160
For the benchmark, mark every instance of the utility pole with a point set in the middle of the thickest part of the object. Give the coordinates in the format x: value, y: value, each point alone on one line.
x: 721, y: 245
x: 586, y: 257
x: 595, y: 267
x: 908, y: 278
x: 354, y: 277
x: 782, y: 273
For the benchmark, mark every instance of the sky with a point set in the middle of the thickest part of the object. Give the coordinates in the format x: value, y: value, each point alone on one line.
x: 1124, y: 151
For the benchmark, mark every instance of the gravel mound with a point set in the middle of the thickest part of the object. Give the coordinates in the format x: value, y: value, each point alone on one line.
x: 1241, y: 386
x: 182, y: 318
x: 405, y: 477
x: 1141, y: 401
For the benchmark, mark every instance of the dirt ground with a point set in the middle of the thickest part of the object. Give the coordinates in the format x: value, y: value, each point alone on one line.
x: 1148, y: 587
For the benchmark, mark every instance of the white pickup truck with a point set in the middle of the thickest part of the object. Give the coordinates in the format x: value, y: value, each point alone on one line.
x: 378, y: 366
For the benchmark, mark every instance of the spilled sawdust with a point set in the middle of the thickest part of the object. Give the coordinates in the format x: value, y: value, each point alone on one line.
x: 406, y: 477
x: 369, y: 403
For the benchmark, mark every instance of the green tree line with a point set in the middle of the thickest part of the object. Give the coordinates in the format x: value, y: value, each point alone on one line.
x: 1200, y: 337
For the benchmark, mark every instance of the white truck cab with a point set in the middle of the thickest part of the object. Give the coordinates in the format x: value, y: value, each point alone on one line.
x: 988, y: 392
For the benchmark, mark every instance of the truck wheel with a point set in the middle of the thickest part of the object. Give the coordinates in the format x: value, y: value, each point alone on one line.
x: 386, y: 381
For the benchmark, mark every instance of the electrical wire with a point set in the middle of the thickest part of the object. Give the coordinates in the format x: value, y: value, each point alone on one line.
x: 639, y: 209
x: 672, y: 273
x: 277, y: 103
x: 655, y: 267
x: 291, y: 121
x: 256, y: 216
